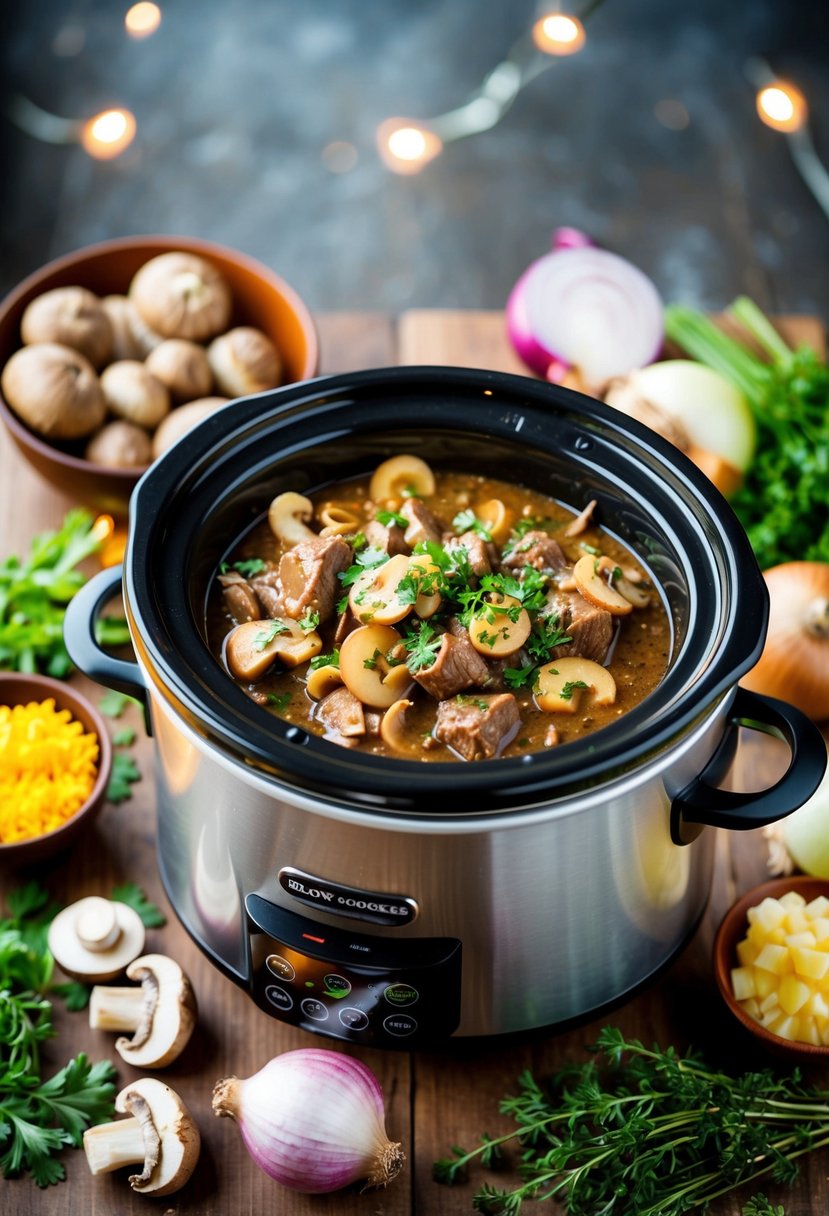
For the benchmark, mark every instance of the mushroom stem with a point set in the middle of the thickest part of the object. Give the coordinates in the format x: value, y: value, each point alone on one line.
x: 109, y: 1146
x: 116, y: 1008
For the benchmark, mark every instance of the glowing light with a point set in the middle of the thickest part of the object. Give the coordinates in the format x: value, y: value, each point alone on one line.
x: 142, y: 20
x: 559, y: 34
x: 108, y: 134
x: 406, y: 147
x: 340, y: 156
x: 782, y: 106
x: 103, y: 527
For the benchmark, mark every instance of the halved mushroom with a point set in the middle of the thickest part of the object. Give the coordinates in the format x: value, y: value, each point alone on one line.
x: 285, y: 517
x: 596, y: 589
x: 425, y: 572
x: 160, y: 1135
x: 251, y: 648
x: 54, y: 390
x: 323, y: 680
x: 337, y: 520
x: 496, y: 519
x: 502, y: 628
x: 161, y: 1013
x: 244, y: 361
x: 365, y: 667
x: 70, y: 316
x: 132, y: 392
x: 95, y: 938
x: 393, y: 727
x: 559, y: 685
x: 374, y: 595
x: 180, y: 295
x: 621, y: 583
x: 402, y: 477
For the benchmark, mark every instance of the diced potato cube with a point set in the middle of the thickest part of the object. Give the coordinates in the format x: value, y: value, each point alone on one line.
x: 818, y: 907
x: 775, y: 959
x: 786, y: 1027
x: 820, y: 928
x: 801, y: 939
x: 808, y: 1032
x: 772, y: 1001
x: 771, y: 1017
x: 747, y: 952
x: 792, y: 899
x: 742, y: 982
x: 751, y: 1007
x: 796, y: 921
x: 769, y: 914
x: 811, y: 964
x: 817, y: 1006
x: 824, y: 1034
x: 765, y: 983
x: 793, y: 994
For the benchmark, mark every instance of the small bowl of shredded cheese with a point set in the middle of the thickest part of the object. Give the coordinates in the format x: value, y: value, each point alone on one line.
x: 55, y: 761
x: 771, y: 964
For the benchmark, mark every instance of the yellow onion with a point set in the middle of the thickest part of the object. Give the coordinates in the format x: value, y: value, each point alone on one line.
x: 313, y: 1120
x: 794, y: 665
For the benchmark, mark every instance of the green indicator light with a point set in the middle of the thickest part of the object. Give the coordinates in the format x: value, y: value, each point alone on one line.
x: 337, y: 995
x: 309, y: 983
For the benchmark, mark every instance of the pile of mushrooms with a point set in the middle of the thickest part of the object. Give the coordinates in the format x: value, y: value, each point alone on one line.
x: 131, y: 374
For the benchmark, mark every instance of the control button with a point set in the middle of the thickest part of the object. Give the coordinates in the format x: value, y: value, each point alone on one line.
x: 279, y: 998
x: 400, y: 1024
x: 401, y: 995
x: 280, y: 967
x: 336, y: 986
x: 353, y: 1019
x: 314, y: 1010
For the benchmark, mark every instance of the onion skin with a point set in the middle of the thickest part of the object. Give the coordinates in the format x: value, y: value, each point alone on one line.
x: 313, y: 1120
x: 794, y: 665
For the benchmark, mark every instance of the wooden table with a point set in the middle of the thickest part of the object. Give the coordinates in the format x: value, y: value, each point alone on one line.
x: 433, y: 1101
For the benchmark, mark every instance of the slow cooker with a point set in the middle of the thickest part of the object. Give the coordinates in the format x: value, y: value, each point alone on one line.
x: 396, y: 903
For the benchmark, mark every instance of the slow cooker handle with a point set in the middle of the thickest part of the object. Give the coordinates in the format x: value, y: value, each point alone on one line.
x: 79, y: 634
x: 703, y: 803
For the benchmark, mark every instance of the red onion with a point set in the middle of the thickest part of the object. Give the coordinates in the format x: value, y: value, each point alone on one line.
x: 586, y: 308
x: 314, y: 1120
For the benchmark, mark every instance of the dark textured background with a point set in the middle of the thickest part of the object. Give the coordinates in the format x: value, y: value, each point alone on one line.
x: 236, y: 101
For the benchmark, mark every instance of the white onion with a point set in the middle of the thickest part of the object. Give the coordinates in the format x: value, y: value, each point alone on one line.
x: 806, y: 832
x: 314, y: 1120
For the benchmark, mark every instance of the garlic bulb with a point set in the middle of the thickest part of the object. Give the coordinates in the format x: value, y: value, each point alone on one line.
x: 313, y: 1120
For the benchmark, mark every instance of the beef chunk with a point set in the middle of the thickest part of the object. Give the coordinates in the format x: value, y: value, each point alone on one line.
x: 477, y: 552
x: 239, y: 599
x: 269, y: 593
x: 423, y: 525
x: 308, y: 574
x: 390, y: 539
x: 457, y: 666
x: 342, y: 713
x: 590, y: 628
x: 345, y: 625
x: 538, y: 550
x: 478, y: 727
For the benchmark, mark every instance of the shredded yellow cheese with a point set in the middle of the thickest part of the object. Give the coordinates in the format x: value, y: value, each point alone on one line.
x: 48, y: 769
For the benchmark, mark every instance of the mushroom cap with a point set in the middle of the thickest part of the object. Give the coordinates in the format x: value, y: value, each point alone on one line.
x: 132, y: 338
x: 120, y: 445
x: 54, y: 390
x: 176, y: 1129
x: 70, y: 316
x: 180, y: 295
x: 183, y: 367
x: 132, y: 392
x: 172, y: 1017
x: 78, y: 936
x: 244, y: 361
x: 180, y: 420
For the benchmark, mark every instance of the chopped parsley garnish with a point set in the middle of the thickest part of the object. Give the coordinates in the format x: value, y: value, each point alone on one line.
x: 569, y: 688
x: 357, y: 541
x: 325, y: 660
x: 545, y: 637
x: 272, y: 630
x: 488, y: 639
x: 367, y: 559
x: 422, y: 642
x: 253, y: 565
x: 590, y: 549
x: 467, y: 521
x: 410, y: 492
x: 478, y: 702
x: 518, y: 677
x: 309, y: 622
x: 342, y: 604
x: 372, y: 662
x: 408, y: 589
x: 279, y: 701
x: 391, y: 517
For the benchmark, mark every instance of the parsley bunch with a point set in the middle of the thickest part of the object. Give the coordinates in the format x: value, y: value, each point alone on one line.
x: 647, y: 1132
x: 784, y: 500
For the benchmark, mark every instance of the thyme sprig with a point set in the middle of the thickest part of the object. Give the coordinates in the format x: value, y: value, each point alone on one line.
x: 646, y: 1132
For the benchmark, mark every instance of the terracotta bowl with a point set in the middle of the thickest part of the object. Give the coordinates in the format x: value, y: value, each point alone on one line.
x: 732, y: 930
x: 18, y: 689
x: 260, y: 298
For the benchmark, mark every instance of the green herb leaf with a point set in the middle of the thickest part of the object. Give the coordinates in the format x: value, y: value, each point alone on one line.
x: 251, y: 566
x: 112, y: 631
x: 130, y: 893
x: 569, y: 688
x: 467, y: 521
x: 367, y: 559
x: 325, y: 660
x: 519, y: 677
x: 125, y: 737
x: 124, y: 772
x: 273, y: 629
x: 309, y: 622
x: 392, y: 517
x: 74, y: 993
x: 113, y: 703
x: 280, y: 701
x: 422, y: 643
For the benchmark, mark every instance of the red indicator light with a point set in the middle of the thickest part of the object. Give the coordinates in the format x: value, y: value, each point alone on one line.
x: 310, y: 937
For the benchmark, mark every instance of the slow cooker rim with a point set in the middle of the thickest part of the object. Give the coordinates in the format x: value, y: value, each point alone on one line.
x: 497, y: 783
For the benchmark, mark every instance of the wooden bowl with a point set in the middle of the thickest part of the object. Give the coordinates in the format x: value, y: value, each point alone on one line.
x: 260, y: 298
x: 732, y: 930
x: 18, y: 689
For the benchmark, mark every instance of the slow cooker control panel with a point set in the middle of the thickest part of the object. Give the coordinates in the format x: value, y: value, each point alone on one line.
x: 351, y: 986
